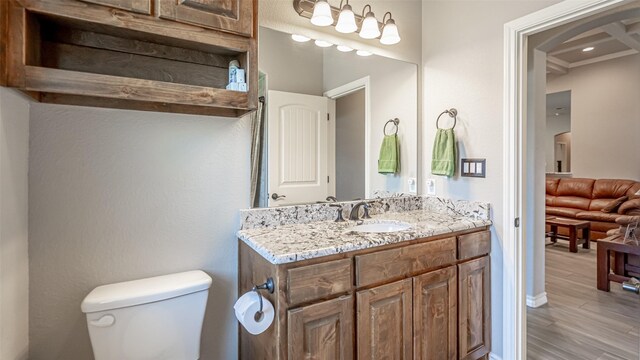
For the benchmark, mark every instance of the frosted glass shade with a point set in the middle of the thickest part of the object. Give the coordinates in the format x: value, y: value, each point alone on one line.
x: 322, y: 14
x: 346, y: 20
x: 369, y: 28
x: 390, y: 34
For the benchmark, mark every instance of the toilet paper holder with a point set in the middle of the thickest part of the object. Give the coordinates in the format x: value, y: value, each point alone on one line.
x: 269, y: 286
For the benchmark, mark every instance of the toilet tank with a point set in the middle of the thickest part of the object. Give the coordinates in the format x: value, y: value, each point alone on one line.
x: 157, y: 318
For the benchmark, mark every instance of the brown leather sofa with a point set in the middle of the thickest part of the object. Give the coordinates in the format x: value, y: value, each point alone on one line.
x: 584, y: 199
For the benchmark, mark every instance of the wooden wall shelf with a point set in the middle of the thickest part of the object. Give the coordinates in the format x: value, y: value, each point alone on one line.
x: 110, y: 53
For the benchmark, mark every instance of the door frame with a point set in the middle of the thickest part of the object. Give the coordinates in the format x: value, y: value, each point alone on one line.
x: 515, y: 188
x: 346, y: 89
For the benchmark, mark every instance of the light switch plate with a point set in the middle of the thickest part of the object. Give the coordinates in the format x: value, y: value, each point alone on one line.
x: 473, y: 167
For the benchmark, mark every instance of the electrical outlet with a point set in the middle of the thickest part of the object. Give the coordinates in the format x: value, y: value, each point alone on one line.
x: 413, y: 184
x: 431, y: 187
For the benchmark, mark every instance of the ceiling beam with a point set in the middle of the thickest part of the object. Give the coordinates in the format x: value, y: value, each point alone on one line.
x: 556, y: 69
x: 559, y: 62
x: 633, y: 28
x: 619, y: 31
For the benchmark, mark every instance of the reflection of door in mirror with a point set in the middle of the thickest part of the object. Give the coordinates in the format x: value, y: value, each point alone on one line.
x: 562, y: 153
x: 298, y: 148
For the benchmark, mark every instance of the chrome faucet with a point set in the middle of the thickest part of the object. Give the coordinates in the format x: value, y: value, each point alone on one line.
x: 355, y: 211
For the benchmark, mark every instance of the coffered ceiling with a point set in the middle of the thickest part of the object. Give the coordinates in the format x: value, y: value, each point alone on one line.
x: 608, y: 42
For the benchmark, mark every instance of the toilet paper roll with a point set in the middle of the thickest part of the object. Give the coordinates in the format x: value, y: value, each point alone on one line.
x: 246, y: 308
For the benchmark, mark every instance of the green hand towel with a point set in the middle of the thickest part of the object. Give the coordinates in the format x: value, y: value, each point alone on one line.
x: 444, y: 153
x: 389, y: 159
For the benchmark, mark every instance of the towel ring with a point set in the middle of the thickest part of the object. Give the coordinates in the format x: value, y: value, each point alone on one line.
x: 452, y: 113
x: 395, y: 122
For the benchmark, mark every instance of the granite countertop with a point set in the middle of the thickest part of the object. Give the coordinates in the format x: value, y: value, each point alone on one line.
x: 295, y: 242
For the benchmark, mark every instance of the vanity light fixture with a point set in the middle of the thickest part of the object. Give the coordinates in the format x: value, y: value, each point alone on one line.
x: 588, y: 48
x: 299, y: 38
x: 364, y: 53
x: 323, y: 44
x: 390, y: 34
x: 322, y: 13
x: 365, y: 23
x: 344, y: 48
x: 346, y: 20
x: 369, y: 28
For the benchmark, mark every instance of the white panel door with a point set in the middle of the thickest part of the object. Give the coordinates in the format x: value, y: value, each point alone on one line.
x: 297, y: 148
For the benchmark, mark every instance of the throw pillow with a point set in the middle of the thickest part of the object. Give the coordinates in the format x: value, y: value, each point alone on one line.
x: 630, y: 207
x: 613, y: 205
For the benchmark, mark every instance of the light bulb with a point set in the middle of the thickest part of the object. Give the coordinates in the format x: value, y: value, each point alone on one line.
x: 364, y: 53
x: 322, y: 14
x: 346, y: 20
x: 369, y: 28
x: 344, y: 48
x: 390, y: 34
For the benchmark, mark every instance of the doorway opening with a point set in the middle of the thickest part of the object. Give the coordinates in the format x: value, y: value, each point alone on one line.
x: 524, y: 99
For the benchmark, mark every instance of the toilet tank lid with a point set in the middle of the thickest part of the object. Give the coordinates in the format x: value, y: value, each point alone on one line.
x: 143, y: 291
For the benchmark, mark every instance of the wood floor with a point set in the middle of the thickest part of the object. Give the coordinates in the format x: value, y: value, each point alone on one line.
x: 581, y: 322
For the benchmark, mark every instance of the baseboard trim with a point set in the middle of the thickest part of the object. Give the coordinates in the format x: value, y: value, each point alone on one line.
x: 493, y: 356
x: 537, y: 301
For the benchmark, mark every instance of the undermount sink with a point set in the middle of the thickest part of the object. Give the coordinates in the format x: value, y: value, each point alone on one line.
x: 381, y: 227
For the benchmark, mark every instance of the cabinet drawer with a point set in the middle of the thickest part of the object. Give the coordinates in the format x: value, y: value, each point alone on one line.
x: 139, y: 6
x: 317, y: 281
x: 474, y: 244
x: 405, y: 261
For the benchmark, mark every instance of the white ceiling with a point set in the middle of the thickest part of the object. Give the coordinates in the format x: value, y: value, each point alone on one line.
x: 611, y: 41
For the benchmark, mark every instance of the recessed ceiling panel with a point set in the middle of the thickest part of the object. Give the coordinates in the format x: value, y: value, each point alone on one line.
x: 600, y: 49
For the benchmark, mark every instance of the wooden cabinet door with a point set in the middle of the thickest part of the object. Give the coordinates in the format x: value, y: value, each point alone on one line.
x: 384, y: 322
x: 322, y: 331
x: 474, y: 306
x: 435, y: 315
x: 139, y: 6
x: 234, y: 16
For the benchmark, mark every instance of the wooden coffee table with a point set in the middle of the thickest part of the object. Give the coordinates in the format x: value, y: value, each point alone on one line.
x: 574, y: 227
x: 620, y: 250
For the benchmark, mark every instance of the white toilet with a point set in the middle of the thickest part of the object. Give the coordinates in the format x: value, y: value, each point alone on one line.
x: 158, y: 318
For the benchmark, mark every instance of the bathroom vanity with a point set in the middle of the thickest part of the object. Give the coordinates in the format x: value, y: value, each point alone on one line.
x: 420, y: 293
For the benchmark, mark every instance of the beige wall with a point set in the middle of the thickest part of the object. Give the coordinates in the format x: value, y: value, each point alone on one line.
x: 14, y: 268
x: 463, y: 68
x: 605, y: 117
x: 116, y: 195
x: 290, y: 66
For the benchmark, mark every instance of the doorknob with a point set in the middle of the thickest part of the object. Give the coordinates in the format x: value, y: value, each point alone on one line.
x: 275, y: 196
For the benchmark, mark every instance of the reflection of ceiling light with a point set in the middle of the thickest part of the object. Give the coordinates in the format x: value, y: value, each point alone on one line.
x: 323, y: 44
x: 299, y: 38
x: 364, y: 53
x: 587, y: 49
x: 346, y: 20
x: 322, y: 14
x: 557, y: 114
x: 344, y: 48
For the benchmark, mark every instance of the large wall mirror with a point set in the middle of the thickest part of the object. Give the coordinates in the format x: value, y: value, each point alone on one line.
x: 325, y: 116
